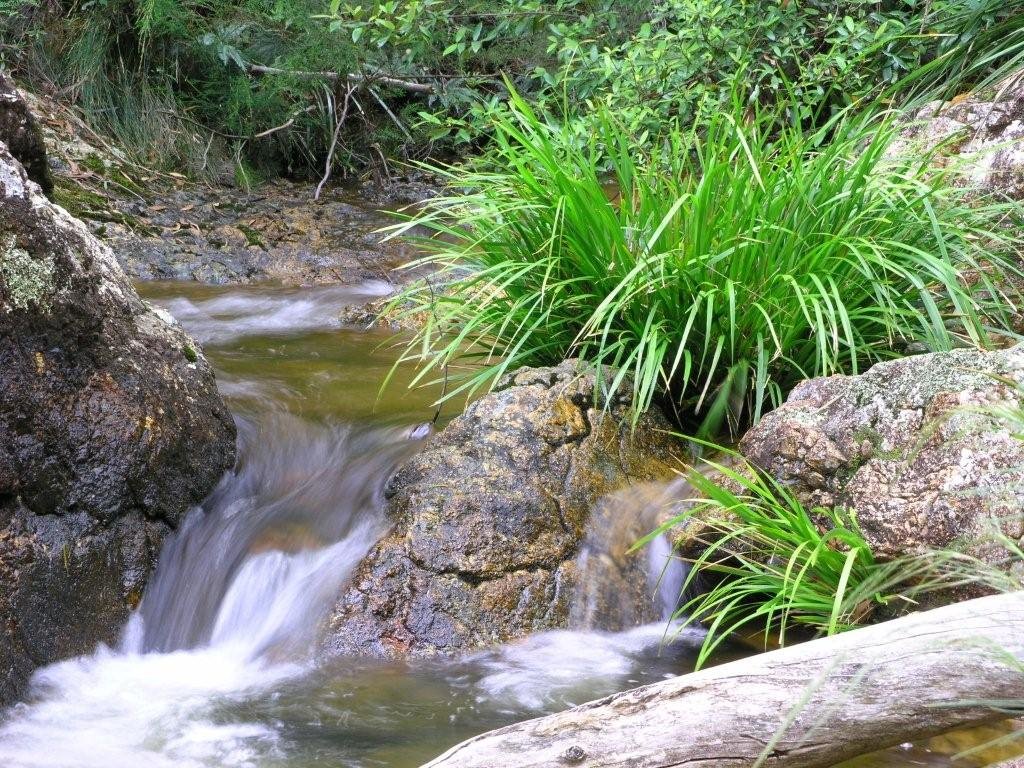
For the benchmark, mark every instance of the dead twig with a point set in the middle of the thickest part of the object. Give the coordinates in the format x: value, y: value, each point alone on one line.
x: 387, y: 110
x: 286, y: 124
x: 338, y: 123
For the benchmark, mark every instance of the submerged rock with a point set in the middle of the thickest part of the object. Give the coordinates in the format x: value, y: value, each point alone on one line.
x: 489, y: 518
x: 110, y: 428
x: 915, y: 447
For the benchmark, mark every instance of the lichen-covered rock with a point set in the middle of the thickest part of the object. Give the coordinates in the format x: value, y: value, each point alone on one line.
x: 110, y: 428
x: 987, y: 136
x: 24, y: 140
x: 912, y: 446
x: 489, y: 517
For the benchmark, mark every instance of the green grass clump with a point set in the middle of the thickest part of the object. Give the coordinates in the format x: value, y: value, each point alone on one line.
x: 980, y: 44
x: 714, y: 273
x: 772, y: 568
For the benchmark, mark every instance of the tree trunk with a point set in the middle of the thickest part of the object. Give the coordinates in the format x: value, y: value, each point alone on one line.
x: 808, y: 705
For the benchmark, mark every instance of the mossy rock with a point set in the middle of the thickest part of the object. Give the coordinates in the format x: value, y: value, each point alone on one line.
x: 913, y: 447
x: 490, y: 517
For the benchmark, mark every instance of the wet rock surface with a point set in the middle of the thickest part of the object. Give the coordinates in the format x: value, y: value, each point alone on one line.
x: 277, y: 233
x: 913, y: 446
x: 110, y: 428
x: 163, y: 227
x: 489, y: 518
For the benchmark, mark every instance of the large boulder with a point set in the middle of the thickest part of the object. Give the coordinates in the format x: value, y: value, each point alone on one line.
x: 916, y: 447
x: 489, y: 518
x: 110, y: 428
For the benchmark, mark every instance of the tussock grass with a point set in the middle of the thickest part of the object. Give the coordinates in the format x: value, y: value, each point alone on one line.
x: 713, y: 274
x: 980, y: 45
x: 771, y: 568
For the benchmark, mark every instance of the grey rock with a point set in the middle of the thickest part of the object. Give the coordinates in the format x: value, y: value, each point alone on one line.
x: 489, y: 518
x: 912, y: 446
x: 278, y: 233
x: 985, y: 136
x: 21, y: 134
x: 110, y: 429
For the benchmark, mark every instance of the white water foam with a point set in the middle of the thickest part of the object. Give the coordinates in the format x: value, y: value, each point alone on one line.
x: 230, y: 316
x: 549, y: 668
x: 258, y: 555
x: 128, y: 709
x: 124, y: 710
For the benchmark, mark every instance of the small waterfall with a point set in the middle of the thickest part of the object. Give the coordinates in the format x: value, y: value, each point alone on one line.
x: 257, y: 566
x: 619, y: 588
x: 215, y: 669
x: 666, y: 573
x: 620, y: 624
x: 231, y: 613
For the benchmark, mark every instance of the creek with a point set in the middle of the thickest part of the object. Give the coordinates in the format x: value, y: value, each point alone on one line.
x: 219, y: 668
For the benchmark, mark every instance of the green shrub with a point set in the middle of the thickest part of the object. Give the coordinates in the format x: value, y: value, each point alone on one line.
x: 817, y: 56
x: 715, y: 273
x: 169, y: 79
x: 181, y: 67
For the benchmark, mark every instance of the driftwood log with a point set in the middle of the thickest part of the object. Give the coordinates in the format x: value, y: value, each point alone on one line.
x: 808, y: 705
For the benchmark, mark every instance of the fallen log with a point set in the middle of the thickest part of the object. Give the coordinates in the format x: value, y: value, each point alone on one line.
x: 809, y: 705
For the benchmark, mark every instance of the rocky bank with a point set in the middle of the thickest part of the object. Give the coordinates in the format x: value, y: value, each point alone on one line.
x: 982, y: 134
x: 110, y: 428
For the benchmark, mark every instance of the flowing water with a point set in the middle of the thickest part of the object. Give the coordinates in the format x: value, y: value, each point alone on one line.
x: 216, y: 668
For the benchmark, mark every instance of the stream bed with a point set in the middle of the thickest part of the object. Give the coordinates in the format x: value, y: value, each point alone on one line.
x: 218, y: 666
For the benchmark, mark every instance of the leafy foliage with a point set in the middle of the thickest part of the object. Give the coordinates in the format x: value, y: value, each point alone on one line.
x: 981, y: 43
x: 715, y: 272
x: 182, y: 66
x: 169, y: 78
x: 777, y: 569
x: 816, y: 56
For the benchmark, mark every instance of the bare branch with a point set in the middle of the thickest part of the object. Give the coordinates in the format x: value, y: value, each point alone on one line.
x: 351, y: 77
x: 286, y: 124
x: 338, y: 123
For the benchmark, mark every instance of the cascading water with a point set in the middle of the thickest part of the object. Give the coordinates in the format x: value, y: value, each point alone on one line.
x: 233, y: 607
x: 216, y: 668
x: 260, y: 561
x: 620, y: 588
x: 224, y: 317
